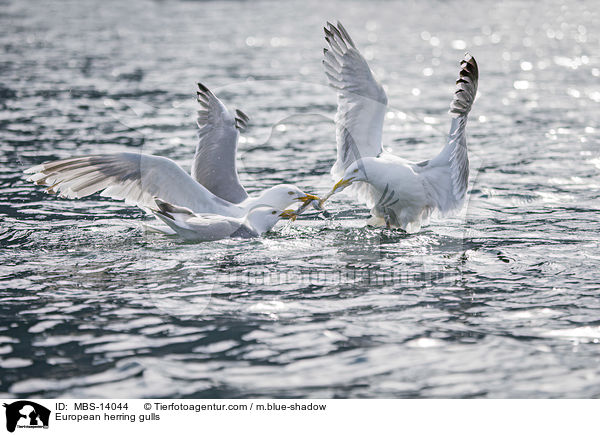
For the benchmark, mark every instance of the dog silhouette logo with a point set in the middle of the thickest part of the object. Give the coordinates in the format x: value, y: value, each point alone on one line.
x: 26, y: 414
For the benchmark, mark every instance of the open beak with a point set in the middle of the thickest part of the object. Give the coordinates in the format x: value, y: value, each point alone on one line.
x: 290, y: 214
x: 340, y: 185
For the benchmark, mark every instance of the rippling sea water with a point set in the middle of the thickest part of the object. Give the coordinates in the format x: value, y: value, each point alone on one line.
x: 501, y: 301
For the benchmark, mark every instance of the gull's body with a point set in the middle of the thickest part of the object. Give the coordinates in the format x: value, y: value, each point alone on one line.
x: 202, y: 227
x: 399, y: 192
x: 212, y: 187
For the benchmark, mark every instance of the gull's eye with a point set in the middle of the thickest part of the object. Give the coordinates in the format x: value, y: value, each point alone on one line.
x: 273, y: 212
x: 355, y: 171
x: 290, y: 193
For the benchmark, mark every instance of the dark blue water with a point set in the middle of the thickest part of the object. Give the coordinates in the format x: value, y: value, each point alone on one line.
x: 500, y: 301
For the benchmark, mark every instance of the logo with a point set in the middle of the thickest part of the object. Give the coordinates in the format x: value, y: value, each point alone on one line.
x: 26, y: 414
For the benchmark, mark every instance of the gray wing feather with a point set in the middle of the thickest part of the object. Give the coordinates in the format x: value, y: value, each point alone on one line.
x: 214, y: 163
x: 362, y: 101
x: 447, y: 175
x: 135, y: 178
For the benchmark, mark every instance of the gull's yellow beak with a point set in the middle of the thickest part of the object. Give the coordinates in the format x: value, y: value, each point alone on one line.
x: 308, y: 197
x: 290, y: 214
x: 340, y: 185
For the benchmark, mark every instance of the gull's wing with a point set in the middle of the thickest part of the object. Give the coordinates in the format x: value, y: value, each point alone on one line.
x: 135, y: 178
x: 447, y: 174
x: 361, y: 100
x: 214, y: 163
x: 198, y: 227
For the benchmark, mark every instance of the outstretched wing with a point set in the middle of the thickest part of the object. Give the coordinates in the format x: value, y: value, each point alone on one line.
x: 214, y: 163
x: 361, y: 100
x: 135, y: 178
x: 447, y: 174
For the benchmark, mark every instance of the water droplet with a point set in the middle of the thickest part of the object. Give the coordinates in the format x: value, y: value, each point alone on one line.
x: 526, y: 66
x: 521, y: 84
x: 459, y: 44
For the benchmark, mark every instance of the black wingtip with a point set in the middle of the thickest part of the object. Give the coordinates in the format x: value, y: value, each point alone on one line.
x: 466, y: 86
x: 202, y: 87
x: 337, y: 32
x: 242, y: 115
x: 241, y: 120
x: 469, y: 64
x: 341, y: 33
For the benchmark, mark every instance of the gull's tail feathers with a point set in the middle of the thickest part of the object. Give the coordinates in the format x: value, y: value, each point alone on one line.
x: 171, y: 211
x: 174, y: 216
x: 466, y: 87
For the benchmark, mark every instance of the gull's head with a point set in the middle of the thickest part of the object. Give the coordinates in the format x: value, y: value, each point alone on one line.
x: 284, y: 195
x: 355, y: 172
x: 263, y: 218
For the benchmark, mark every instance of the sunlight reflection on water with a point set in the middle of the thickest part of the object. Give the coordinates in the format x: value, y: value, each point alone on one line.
x: 500, y: 302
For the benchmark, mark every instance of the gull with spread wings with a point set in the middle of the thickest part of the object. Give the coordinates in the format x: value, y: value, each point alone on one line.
x: 399, y: 192
x: 213, y: 186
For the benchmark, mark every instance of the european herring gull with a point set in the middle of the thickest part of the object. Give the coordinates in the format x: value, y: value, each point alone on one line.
x: 212, y: 187
x: 399, y: 192
x: 202, y: 227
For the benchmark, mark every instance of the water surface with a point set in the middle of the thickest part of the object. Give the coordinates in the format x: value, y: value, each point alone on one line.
x: 501, y: 301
